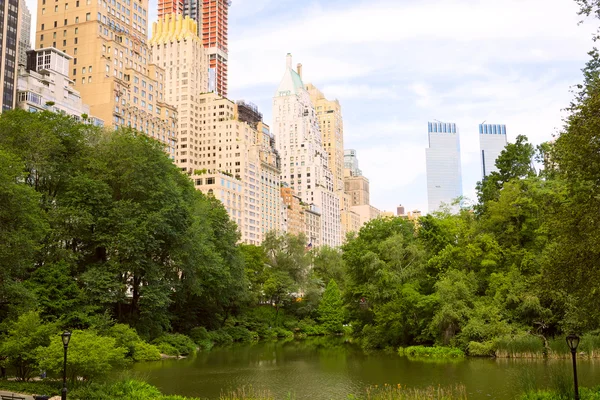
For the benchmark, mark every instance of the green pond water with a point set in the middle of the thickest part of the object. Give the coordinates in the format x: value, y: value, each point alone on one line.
x: 329, y: 368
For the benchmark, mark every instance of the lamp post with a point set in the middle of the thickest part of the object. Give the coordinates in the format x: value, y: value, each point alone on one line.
x: 573, y: 342
x: 66, y: 337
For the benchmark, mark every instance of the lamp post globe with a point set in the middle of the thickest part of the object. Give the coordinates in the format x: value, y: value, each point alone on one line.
x: 573, y: 343
x: 66, y: 338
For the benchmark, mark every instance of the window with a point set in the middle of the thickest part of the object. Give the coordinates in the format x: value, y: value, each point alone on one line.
x: 83, y: 70
x: 55, y: 8
x: 76, y: 41
x: 42, y: 36
x: 55, y: 24
x: 83, y: 80
x: 64, y: 42
x: 65, y: 33
x: 66, y: 6
x: 76, y: 20
x: 89, y: 79
x: 75, y: 60
x: 65, y: 22
x: 76, y: 31
x: 43, y: 11
x: 42, y: 26
x: 74, y: 71
x: 90, y: 69
x: 54, y: 35
x: 88, y: 16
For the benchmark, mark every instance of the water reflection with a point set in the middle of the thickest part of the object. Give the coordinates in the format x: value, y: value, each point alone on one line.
x: 331, y: 368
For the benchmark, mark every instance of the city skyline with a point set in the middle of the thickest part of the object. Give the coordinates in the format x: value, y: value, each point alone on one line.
x: 387, y: 99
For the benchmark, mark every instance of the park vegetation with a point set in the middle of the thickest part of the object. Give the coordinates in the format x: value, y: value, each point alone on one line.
x: 101, y: 234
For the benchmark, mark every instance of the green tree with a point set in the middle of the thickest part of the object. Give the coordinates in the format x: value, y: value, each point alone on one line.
x: 331, y: 311
x: 20, y: 343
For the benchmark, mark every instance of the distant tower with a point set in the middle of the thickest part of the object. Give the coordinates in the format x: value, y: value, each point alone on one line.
x: 24, y: 32
x: 400, y: 210
x: 166, y: 7
x: 351, y: 162
x: 9, y: 38
x: 444, y: 176
x: 492, y: 140
x: 214, y: 35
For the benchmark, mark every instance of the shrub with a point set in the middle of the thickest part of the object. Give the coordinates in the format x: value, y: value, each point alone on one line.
x: 143, y: 351
x: 220, y: 337
x: 90, y: 356
x: 523, y: 345
x: 199, y: 334
x: 35, y: 387
x: 166, y: 348
x: 183, y: 344
x: 476, y: 349
x: 240, y: 334
x: 125, y: 336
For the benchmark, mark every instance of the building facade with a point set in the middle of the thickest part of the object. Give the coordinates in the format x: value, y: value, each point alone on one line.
x: 111, y: 66
x: 24, y: 32
x: 350, y: 219
x: 366, y: 213
x: 176, y: 48
x: 215, y: 31
x: 44, y: 84
x: 351, y: 162
x: 357, y: 187
x: 492, y: 140
x: 303, y: 158
x: 329, y: 115
x: 167, y: 7
x: 444, y: 176
x: 9, y: 39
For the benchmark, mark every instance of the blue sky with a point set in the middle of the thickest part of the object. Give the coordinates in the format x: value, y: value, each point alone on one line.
x: 394, y: 65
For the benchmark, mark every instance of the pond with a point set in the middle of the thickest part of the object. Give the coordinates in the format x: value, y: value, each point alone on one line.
x: 329, y: 368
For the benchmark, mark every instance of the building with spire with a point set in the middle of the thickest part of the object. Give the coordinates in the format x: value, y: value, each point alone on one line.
x: 304, y: 161
x: 492, y: 140
x: 111, y: 65
x: 444, y: 172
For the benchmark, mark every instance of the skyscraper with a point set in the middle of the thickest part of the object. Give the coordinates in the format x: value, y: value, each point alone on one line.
x: 24, y: 32
x: 304, y: 160
x: 111, y: 66
x: 166, y: 7
x: 193, y: 9
x: 215, y: 15
x: 351, y: 162
x: 329, y: 114
x: 444, y: 176
x: 9, y: 39
x: 492, y: 140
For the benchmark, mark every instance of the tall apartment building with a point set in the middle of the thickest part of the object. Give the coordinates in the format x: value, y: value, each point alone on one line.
x: 24, y: 32
x: 492, y: 140
x: 357, y: 187
x: 44, y: 84
x: 111, y: 66
x: 215, y: 17
x: 176, y: 48
x: 304, y: 160
x: 444, y: 176
x: 350, y: 219
x: 9, y: 39
x: 166, y: 7
x: 351, y: 162
x: 235, y: 161
x: 329, y: 114
x: 193, y: 9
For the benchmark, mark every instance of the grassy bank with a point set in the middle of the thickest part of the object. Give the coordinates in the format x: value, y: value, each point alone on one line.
x: 435, y: 352
x: 131, y: 389
x: 530, y: 346
x: 584, y: 394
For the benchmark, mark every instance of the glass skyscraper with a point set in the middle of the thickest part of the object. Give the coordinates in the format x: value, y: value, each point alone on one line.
x: 444, y: 174
x: 492, y: 140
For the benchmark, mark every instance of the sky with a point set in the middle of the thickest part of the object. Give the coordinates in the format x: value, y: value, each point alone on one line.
x: 394, y: 65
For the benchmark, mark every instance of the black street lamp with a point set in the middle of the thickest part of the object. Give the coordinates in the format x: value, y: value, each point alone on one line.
x: 66, y: 336
x: 573, y: 342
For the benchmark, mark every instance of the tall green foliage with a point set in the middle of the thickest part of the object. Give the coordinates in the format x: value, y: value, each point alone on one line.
x: 331, y: 311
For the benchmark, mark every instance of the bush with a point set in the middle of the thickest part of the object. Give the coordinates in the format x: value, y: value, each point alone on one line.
x: 220, y: 337
x: 127, y: 389
x: 35, y: 387
x: 143, y: 351
x: 125, y: 336
x: 90, y: 356
x: 241, y: 334
x: 476, y: 349
x: 199, y: 334
x: 167, y: 349
x: 183, y: 344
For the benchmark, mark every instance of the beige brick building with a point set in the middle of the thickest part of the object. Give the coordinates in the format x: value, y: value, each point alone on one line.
x: 111, y: 65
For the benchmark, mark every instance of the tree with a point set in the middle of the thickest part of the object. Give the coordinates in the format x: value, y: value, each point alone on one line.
x: 20, y: 344
x: 328, y: 264
x: 331, y: 311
